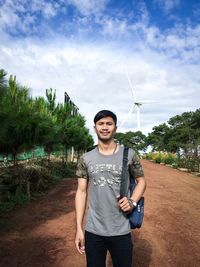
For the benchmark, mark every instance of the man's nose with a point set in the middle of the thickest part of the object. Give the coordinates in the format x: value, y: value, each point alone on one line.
x: 105, y: 127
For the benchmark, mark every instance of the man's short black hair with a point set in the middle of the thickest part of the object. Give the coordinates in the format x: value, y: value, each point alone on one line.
x: 105, y: 113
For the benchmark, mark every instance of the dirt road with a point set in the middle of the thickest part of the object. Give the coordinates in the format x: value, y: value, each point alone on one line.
x: 41, y: 234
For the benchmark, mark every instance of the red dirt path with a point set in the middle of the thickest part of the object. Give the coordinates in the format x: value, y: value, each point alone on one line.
x: 41, y: 234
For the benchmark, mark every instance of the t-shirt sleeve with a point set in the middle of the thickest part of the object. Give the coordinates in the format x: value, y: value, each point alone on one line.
x: 135, y: 166
x: 81, y: 171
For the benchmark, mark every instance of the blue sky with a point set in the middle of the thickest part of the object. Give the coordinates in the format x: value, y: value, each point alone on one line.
x: 85, y: 47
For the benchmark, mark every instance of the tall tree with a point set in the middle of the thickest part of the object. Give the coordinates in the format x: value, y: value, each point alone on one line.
x: 158, y: 137
x: 51, y: 97
x: 74, y: 134
x: 184, y: 131
x: 3, y: 83
x: 26, y: 122
x: 136, y: 140
x: 13, y: 118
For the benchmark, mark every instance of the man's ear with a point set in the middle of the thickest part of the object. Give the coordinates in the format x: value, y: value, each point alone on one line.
x: 95, y: 128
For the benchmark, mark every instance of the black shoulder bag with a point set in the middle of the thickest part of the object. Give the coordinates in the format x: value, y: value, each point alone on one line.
x: 137, y: 214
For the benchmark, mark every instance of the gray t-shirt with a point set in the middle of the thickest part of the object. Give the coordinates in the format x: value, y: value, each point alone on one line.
x: 104, y: 174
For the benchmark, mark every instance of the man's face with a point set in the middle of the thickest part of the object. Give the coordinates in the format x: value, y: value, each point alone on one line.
x: 105, y: 129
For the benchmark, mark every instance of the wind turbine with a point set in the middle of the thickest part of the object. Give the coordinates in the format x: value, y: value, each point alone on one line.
x: 136, y: 104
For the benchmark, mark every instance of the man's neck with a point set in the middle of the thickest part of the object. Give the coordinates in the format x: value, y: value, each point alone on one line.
x: 107, y: 148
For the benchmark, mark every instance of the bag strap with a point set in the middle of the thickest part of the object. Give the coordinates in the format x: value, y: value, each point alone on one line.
x: 124, y: 175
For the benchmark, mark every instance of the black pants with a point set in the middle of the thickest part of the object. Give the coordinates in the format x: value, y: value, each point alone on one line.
x: 120, y: 248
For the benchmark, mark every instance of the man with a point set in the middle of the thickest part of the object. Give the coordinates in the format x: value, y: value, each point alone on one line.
x: 99, y: 172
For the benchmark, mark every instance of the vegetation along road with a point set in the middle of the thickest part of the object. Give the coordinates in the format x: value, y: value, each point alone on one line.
x: 41, y: 234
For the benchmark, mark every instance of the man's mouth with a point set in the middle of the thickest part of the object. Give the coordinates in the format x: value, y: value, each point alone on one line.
x: 104, y: 133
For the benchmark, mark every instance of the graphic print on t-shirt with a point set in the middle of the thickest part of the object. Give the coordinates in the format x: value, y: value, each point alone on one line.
x: 105, y: 174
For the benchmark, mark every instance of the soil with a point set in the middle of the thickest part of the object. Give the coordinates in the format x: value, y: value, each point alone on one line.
x: 41, y: 234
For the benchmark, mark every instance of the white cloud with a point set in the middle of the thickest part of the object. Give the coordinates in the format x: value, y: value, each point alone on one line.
x: 8, y: 17
x: 119, y: 25
x: 196, y: 10
x: 22, y: 15
x: 47, y: 8
x: 114, y: 27
x: 167, y: 5
x: 87, y: 7
x: 181, y: 41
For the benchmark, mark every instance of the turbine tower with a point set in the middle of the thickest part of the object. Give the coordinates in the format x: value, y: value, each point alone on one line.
x: 136, y: 104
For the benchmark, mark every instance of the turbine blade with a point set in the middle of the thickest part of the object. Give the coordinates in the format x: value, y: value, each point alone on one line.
x: 140, y: 102
x: 127, y: 116
x: 131, y: 86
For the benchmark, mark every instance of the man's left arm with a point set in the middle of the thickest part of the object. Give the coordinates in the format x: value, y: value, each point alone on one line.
x: 139, y: 189
x: 136, y: 171
x: 125, y: 203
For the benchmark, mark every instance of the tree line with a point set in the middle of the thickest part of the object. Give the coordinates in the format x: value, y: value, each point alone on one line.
x: 27, y: 122
x: 181, y: 134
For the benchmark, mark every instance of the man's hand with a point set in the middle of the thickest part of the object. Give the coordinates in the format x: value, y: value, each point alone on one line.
x: 125, y: 205
x: 80, y: 242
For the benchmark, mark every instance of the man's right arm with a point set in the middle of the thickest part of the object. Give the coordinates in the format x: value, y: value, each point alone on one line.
x: 80, y: 205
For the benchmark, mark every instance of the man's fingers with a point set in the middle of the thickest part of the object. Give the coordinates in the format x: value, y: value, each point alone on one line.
x: 82, y: 249
x: 124, y: 204
x: 80, y: 246
x: 77, y: 246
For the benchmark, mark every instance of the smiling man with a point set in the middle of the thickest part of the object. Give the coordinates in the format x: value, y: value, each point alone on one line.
x: 99, y: 174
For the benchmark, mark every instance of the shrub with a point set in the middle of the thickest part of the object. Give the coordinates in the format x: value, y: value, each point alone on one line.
x: 21, y: 183
x: 158, y: 157
x: 170, y: 158
x: 192, y: 163
x: 155, y: 156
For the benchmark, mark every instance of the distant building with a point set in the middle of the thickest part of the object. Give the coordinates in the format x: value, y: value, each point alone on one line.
x: 75, y: 109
